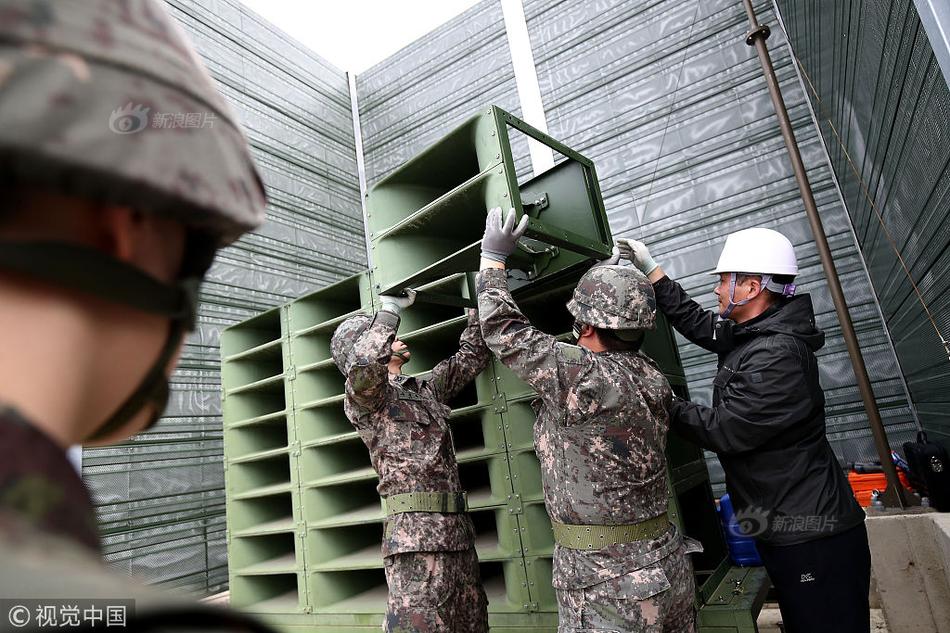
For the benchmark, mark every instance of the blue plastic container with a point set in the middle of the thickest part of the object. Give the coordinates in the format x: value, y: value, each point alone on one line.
x: 742, y: 549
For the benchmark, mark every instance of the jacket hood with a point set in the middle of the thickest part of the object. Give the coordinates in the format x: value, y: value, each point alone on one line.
x: 794, y: 317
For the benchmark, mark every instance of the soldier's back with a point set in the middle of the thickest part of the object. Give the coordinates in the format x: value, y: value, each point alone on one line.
x: 601, y: 439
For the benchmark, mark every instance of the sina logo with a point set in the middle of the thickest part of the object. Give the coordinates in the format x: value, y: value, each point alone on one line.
x: 129, y: 119
x: 751, y: 521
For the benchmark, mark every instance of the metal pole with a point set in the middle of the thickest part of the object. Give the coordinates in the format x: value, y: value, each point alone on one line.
x: 894, y: 494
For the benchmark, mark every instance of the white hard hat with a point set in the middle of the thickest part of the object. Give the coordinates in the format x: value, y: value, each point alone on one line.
x: 758, y: 250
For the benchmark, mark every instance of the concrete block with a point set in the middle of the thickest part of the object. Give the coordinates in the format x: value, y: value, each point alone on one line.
x: 874, y: 598
x: 942, y: 535
x: 910, y: 571
x: 931, y: 566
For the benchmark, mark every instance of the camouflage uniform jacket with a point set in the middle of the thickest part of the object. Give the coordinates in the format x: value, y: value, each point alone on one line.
x: 600, y: 434
x: 39, y: 487
x: 50, y: 549
x: 404, y: 423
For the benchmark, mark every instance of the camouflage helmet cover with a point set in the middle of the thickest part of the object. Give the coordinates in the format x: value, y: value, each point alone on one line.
x: 614, y: 298
x: 344, y: 339
x: 108, y: 101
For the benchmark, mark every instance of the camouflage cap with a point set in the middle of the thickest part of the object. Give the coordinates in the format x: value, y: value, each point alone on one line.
x: 344, y: 340
x: 614, y: 298
x: 108, y: 101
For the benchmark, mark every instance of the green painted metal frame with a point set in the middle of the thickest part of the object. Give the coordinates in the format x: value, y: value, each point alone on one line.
x: 427, y: 193
x: 542, y: 231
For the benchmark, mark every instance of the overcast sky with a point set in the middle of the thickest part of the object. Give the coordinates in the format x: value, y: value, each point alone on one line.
x: 356, y: 34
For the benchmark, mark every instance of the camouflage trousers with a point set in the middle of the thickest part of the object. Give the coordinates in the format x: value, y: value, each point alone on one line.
x: 433, y: 592
x: 656, y: 599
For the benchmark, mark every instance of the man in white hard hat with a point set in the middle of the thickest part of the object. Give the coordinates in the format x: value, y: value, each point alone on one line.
x: 767, y: 425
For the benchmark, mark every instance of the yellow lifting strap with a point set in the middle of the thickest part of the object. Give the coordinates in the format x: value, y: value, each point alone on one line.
x: 600, y: 536
x: 444, y: 502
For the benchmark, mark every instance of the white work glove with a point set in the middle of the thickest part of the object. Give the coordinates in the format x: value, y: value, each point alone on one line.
x: 397, y: 304
x: 638, y: 254
x: 613, y: 260
x: 501, y: 238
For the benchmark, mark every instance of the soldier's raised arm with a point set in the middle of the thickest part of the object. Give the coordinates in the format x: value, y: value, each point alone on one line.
x: 688, y: 317
x: 520, y: 346
x: 523, y: 348
x: 449, y: 376
x: 362, y: 347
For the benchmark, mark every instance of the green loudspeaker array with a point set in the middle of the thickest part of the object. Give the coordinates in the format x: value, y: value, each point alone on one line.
x: 426, y: 218
x: 304, y: 519
x: 264, y: 551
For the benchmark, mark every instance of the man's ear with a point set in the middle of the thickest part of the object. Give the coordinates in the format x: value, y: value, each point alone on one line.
x: 154, y: 244
x: 119, y: 230
x: 755, y: 285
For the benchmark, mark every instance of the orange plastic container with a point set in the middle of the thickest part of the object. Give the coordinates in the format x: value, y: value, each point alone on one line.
x: 863, y: 484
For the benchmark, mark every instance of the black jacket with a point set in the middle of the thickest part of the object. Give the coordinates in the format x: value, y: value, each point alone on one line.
x: 767, y: 422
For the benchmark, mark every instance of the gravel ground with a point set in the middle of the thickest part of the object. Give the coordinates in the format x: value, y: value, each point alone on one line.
x: 770, y: 620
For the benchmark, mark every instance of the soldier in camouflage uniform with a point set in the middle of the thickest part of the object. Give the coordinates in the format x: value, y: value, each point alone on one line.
x: 107, y: 227
x: 600, y: 435
x: 428, y: 543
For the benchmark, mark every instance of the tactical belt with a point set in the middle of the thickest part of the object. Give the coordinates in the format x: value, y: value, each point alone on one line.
x: 600, y: 536
x: 444, y: 502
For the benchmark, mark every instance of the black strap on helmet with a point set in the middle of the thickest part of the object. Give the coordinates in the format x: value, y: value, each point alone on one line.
x: 152, y: 389
x: 88, y: 270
